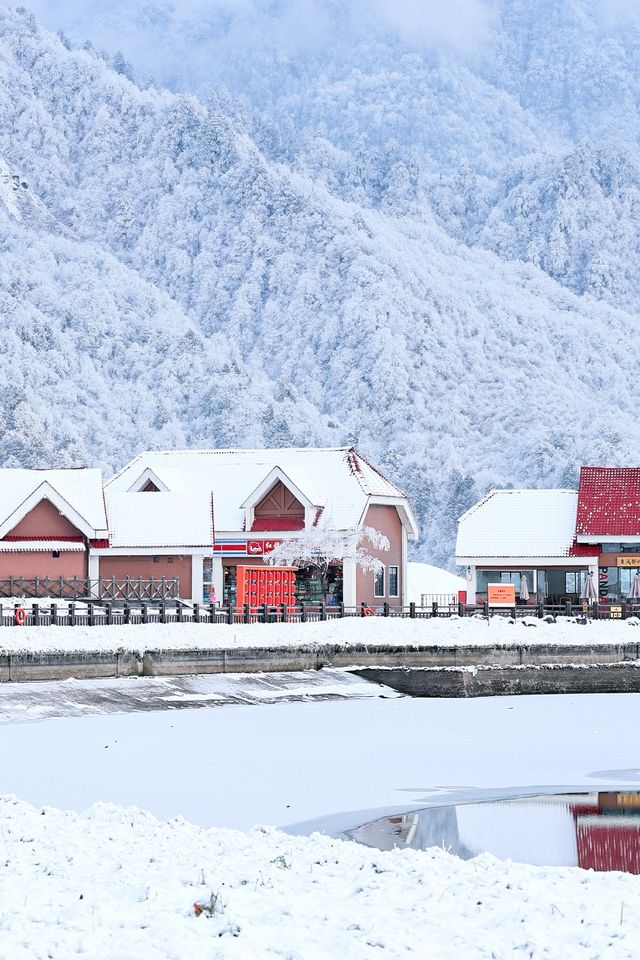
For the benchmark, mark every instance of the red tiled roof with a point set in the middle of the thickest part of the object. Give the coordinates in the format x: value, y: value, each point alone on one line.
x: 609, y: 502
x: 277, y: 523
x: 17, y: 538
x: 584, y: 549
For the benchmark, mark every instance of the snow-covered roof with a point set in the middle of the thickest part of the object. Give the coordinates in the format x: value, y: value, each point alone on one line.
x: 160, y: 519
x: 336, y: 478
x: 519, y: 523
x: 74, y: 492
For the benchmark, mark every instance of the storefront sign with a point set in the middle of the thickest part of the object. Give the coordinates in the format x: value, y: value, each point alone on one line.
x: 257, y: 548
x: 628, y: 560
x: 501, y: 594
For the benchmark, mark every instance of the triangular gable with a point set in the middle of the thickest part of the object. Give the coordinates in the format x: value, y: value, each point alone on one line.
x: 45, y: 492
x: 148, y: 476
x: 270, y: 481
x: 45, y: 521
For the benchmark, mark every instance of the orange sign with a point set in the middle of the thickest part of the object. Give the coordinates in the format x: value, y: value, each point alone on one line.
x: 628, y: 561
x: 501, y: 594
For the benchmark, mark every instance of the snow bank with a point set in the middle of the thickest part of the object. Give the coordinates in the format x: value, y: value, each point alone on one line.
x: 119, y: 883
x: 370, y: 632
x: 425, y: 578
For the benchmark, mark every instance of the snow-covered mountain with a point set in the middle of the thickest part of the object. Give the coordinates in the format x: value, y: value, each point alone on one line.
x: 410, y: 249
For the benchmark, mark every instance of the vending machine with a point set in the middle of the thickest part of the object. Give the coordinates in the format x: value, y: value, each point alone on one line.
x: 271, y: 585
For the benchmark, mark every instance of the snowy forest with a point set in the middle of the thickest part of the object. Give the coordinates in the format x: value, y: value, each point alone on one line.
x: 397, y: 230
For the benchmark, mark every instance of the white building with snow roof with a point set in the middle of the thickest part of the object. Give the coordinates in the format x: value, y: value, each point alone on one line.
x: 532, y: 532
x: 214, y: 510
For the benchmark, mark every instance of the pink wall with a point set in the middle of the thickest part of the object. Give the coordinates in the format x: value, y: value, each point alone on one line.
x: 143, y: 568
x: 387, y: 521
x: 44, y: 520
x: 43, y: 564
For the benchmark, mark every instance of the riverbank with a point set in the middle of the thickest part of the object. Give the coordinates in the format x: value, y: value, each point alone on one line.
x: 117, y: 882
x: 369, y: 632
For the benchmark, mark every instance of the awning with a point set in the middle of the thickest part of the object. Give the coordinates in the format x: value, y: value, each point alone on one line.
x: 41, y: 546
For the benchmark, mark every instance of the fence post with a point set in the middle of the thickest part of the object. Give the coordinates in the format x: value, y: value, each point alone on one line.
x: 323, y: 611
x: 434, y: 608
x: 460, y: 608
x: 212, y: 613
x: 385, y: 609
x: 196, y: 613
x: 144, y: 613
x: 594, y: 610
x: 412, y: 610
x: 163, y: 612
x: 341, y: 607
x: 247, y: 613
x: 485, y: 608
x: 230, y: 617
x: 304, y: 612
x: 127, y: 613
x: 179, y: 612
x: 35, y: 613
x: 540, y: 609
x: 567, y: 608
x: 285, y: 613
x: 109, y: 610
x: 265, y: 613
x: 54, y: 614
x: 90, y: 616
x: 72, y: 615
x: 513, y: 612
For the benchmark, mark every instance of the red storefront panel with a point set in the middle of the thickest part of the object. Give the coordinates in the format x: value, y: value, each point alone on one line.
x: 271, y: 585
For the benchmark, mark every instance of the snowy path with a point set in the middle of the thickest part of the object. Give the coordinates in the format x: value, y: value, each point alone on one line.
x: 289, y: 762
x: 371, y: 632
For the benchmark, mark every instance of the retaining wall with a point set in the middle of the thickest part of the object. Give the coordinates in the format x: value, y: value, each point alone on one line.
x: 63, y: 665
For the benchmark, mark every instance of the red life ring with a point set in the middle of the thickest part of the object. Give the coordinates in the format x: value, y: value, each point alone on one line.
x: 20, y: 616
x: 368, y: 612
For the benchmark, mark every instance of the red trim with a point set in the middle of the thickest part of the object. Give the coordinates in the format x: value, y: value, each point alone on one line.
x: 99, y: 544
x: 584, y: 549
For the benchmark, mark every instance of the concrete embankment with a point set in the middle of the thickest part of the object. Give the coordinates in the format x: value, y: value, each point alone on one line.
x: 419, y: 671
x: 495, y: 681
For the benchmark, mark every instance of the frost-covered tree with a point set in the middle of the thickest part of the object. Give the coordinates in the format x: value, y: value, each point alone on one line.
x: 318, y: 547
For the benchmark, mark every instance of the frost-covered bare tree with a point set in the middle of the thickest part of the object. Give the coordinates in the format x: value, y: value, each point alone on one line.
x: 319, y: 547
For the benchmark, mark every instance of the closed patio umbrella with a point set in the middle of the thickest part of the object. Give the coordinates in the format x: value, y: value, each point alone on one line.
x: 589, y: 589
x: 524, y: 588
x: 634, y: 591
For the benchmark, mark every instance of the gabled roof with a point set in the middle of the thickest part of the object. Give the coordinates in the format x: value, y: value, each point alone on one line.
x: 609, y: 502
x: 336, y: 478
x: 77, y: 494
x: 160, y: 519
x: 520, y: 523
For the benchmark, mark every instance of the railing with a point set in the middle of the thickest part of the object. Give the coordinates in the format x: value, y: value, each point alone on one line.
x: 114, y: 613
x: 82, y: 588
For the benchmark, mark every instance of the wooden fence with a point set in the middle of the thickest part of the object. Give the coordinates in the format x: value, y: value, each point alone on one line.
x: 81, y: 588
x: 107, y: 612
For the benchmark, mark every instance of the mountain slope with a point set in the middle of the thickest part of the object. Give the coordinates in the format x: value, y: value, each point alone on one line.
x: 253, y: 305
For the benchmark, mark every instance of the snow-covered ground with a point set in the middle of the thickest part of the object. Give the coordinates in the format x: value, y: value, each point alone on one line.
x: 424, y: 578
x: 116, y: 885
x: 369, y: 631
x: 113, y: 883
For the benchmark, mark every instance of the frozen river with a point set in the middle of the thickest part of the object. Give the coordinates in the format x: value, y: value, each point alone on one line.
x: 322, y: 760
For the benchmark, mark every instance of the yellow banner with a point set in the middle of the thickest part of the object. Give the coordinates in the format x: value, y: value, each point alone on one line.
x: 628, y: 560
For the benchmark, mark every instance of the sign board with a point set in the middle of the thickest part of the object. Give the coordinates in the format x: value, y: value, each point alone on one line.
x: 615, y: 613
x: 501, y: 594
x: 628, y: 560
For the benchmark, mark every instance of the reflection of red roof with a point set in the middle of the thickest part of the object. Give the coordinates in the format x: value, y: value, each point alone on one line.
x: 267, y: 524
x: 609, y: 502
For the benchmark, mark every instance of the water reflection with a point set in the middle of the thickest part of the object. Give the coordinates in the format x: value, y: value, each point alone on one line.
x: 600, y: 831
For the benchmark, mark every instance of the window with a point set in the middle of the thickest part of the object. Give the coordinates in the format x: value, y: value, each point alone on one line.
x: 378, y: 583
x: 393, y: 581
x: 55, y: 554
